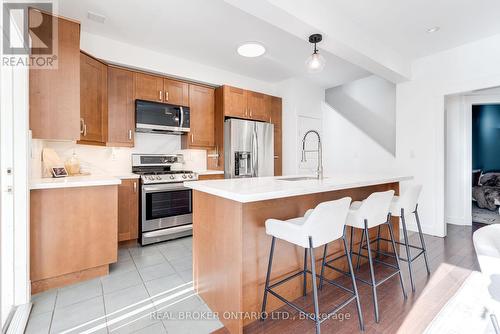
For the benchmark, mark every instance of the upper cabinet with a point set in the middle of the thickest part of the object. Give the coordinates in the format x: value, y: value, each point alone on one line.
x: 246, y: 104
x: 175, y: 92
x: 148, y: 87
x: 201, y: 107
x: 234, y: 102
x: 154, y: 88
x: 121, y: 107
x: 259, y: 106
x: 54, y: 94
x: 93, y: 100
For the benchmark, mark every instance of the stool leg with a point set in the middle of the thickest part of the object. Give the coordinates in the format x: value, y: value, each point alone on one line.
x: 359, y: 250
x: 378, y: 242
x: 322, y: 268
x: 407, y: 246
x: 268, y: 277
x: 391, y: 232
x: 315, y: 288
x: 351, y: 240
x: 354, y: 286
x: 422, y: 241
x: 304, y: 277
x: 372, y: 272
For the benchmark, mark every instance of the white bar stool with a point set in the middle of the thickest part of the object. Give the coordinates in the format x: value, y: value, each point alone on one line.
x: 324, y: 224
x: 374, y: 212
x: 403, y: 206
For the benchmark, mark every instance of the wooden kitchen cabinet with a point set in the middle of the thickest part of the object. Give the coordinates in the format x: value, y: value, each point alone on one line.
x: 234, y: 102
x: 148, y: 87
x: 202, y: 118
x: 175, y: 92
x: 93, y: 100
x: 54, y: 94
x: 128, y: 209
x: 276, y: 108
x: 259, y: 106
x: 73, y: 234
x: 121, y: 107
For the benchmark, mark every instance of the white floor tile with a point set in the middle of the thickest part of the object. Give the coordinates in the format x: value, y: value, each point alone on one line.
x: 157, y: 328
x: 78, y: 292
x: 115, y: 282
x: 79, y: 317
x: 183, y: 263
x: 156, y: 271
x: 122, y: 267
x: 148, y: 260
x: 43, y: 302
x: 39, y: 323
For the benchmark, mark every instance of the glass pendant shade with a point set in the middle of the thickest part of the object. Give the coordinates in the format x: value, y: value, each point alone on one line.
x: 315, y: 63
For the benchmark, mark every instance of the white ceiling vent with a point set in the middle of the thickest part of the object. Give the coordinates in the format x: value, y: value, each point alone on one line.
x: 96, y: 17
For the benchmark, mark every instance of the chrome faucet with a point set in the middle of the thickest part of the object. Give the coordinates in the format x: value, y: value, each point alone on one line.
x: 319, y: 172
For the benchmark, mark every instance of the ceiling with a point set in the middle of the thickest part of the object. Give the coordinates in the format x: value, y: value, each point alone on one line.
x: 402, y: 25
x: 209, y: 32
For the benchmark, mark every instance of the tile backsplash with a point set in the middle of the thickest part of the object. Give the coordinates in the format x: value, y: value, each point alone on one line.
x: 116, y: 160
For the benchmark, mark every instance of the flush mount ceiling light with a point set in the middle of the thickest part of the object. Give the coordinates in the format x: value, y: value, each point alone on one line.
x: 315, y: 62
x: 251, y: 49
x: 433, y: 29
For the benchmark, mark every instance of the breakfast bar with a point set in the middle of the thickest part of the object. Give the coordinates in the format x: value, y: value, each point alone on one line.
x: 231, y: 248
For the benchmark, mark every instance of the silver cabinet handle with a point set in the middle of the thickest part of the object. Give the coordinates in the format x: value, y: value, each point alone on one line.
x: 166, y: 96
x: 129, y: 134
x: 135, y: 186
x: 217, y: 153
x: 192, y: 138
x: 84, y: 130
x: 276, y: 157
x: 82, y: 124
x: 250, y: 111
x: 161, y: 95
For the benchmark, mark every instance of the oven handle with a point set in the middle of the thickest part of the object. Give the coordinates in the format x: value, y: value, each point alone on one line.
x: 162, y: 187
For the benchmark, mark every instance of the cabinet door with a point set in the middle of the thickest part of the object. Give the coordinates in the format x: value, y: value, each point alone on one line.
x: 128, y: 210
x: 54, y: 94
x: 93, y: 99
x: 121, y: 108
x: 201, y: 106
x: 175, y: 92
x: 235, y: 102
x: 259, y: 106
x: 148, y: 87
x: 276, y: 106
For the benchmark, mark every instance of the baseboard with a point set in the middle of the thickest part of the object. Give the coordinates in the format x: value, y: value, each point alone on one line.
x: 458, y: 220
x: 412, y: 226
x: 19, y: 320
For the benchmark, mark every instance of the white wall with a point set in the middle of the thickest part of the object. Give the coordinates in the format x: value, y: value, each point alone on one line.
x: 420, y: 118
x: 370, y: 103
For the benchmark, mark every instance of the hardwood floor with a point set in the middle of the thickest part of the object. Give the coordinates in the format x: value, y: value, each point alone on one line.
x: 451, y: 260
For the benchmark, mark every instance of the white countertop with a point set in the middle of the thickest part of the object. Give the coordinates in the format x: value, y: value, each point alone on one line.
x: 74, y: 181
x: 264, y: 188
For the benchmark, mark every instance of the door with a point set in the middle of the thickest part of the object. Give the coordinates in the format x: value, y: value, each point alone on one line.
x: 128, y: 210
x: 93, y: 98
x: 259, y: 106
x: 240, y: 143
x: 235, y: 102
x: 175, y: 92
x: 265, y: 149
x: 121, y: 108
x: 202, y: 116
x: 148, y: 87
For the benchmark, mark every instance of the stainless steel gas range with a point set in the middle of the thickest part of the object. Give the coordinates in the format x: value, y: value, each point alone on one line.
x: 166, y: 205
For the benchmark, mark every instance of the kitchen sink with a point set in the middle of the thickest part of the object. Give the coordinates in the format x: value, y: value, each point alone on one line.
x: 298, y: 178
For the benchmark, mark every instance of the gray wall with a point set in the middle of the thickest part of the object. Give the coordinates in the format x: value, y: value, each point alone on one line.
x: 370, y: 104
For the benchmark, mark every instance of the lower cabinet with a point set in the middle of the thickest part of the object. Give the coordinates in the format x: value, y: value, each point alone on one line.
x: 210, y: 177
x: 128, y: 210
x: 73, y: 234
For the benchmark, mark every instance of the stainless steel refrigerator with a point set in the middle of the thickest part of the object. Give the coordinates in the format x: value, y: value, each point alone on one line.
x: 248, y: 148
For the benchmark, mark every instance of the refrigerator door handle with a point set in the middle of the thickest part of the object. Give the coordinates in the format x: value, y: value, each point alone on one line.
x: 255, y: 152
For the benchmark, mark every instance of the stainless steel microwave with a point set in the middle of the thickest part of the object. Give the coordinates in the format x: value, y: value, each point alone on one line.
x: 161, y: 117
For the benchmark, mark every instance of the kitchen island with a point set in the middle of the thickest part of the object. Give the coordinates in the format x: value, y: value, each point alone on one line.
x: 231, y: 248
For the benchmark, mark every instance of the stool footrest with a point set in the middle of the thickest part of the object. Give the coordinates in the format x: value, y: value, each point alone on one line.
x: 385, y: 279
x: 390, y: 265
x: 401, y: 244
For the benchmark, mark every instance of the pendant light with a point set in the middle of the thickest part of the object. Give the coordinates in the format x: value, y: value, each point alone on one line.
x: 315, y: 62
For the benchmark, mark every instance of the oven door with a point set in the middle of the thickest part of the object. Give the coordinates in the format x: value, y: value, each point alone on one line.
x: 165, y: 206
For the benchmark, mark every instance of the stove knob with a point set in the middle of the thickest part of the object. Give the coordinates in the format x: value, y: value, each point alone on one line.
x: 183, y: 176
x: 149, y: 177
x: 172, y: 177
x: 158, y: 177
x: 190, y: 176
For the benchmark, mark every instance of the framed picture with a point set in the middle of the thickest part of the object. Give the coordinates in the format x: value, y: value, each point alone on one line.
x: 59, y: 172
